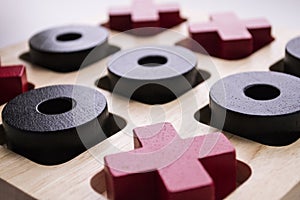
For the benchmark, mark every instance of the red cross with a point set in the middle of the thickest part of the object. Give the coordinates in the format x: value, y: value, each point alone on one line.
x: 13, y: 82
x: 228, y: 37
x: 164, y: 166
x: 144, y: 13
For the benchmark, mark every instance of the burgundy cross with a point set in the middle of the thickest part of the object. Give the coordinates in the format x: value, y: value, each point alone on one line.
x: 13, y: 82
x: 144, y: 13
x: 164, y: 166
x: 228, y: 37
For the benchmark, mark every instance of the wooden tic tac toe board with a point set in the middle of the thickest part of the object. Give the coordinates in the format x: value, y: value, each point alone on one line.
x: 272, y: 172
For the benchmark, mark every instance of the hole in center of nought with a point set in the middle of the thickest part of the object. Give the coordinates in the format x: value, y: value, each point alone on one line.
x: 68, y: 37
x: 262, y: 92
x: 152, y: 61
x: 56, y: 106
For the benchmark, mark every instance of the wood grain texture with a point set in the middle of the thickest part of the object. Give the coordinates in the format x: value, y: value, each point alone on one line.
x: 274, y: 169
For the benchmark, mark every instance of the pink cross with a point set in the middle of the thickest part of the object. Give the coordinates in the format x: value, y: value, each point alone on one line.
x: 13, y: 82
x: 144, y: 13
x: 228, y: 37
x: 164, y: 166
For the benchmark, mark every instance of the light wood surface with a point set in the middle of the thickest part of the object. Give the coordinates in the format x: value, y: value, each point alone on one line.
x: 274, y: 169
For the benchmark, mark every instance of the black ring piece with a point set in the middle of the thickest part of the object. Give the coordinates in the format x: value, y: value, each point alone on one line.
x: 153, y: 74
x: 262, y: 106
x: 292, y: 57
x: 53, y: 124
x: 65, y: 48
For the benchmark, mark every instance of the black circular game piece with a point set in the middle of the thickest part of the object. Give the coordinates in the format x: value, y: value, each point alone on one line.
x: 53, y: 124
x: 262, y: 106
x: 65, y: 48
x: 153, y: 74
x: 292, y: 57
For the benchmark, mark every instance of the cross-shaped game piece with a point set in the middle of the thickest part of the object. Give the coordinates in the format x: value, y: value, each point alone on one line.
x: 228, y: 37
x: 164, y: 166
x: 13, y: 82
x: 144, y: 13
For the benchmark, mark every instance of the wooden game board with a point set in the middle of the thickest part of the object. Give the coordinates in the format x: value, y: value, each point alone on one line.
x: 274, y: 170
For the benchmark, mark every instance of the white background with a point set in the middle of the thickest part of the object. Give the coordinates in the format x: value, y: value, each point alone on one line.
x: 19, y: 19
